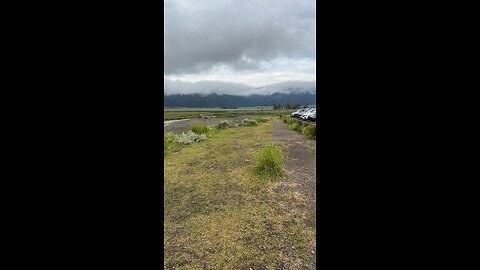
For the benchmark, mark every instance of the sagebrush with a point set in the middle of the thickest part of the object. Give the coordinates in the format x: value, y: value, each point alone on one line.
x: 222, y: 125
x: 189, y: 138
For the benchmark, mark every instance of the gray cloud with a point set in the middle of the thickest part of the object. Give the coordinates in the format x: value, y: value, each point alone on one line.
x: 203, y: 34
x: 204, y: 87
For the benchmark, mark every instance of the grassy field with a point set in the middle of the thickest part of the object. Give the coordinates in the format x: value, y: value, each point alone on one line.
x: 219, y: 214
x: 174, y: 115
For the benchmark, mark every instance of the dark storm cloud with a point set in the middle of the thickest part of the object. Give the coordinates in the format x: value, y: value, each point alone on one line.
x: 202, y: 34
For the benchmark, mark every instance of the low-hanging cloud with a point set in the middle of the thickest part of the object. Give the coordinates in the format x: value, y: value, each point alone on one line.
x: 204, y: 34
x: 237, y: 89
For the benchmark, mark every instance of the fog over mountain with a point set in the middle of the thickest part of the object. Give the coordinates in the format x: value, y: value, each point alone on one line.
x: 236, y: 89
x: 223, y: 94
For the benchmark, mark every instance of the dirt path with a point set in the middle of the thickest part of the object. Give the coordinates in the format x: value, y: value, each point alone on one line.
x: 300, y: 164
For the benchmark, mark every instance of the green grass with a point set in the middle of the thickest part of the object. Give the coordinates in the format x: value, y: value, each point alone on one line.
x: 174, y: 115
x: 167, y: 142
x: 201, y: 129
x: 287, y: 119
x: 269, y: 162
x: 261, y: 120
x: 219, y: 215
x: 296, y: 127
x: 227, y: 114
x: 310, y: 131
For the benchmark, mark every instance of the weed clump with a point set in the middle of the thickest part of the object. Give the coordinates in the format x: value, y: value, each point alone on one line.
x: 248, y: 123
x: 310, y: 131
x: 269, y: 162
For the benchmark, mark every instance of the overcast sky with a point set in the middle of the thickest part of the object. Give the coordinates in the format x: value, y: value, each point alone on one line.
x: 252, y: 42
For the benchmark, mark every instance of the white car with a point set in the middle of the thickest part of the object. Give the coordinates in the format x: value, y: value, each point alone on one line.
x: 308, y: 113
x: 299, y: 112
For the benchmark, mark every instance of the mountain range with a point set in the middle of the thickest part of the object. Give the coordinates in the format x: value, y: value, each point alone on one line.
x: 221, y: 94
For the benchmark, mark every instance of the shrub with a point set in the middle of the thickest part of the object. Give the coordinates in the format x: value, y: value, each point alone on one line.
x: 248, y: 123
x: 310, y: 131
x: 189, y: 138
x: 269, y: 162
x: 222, y: 125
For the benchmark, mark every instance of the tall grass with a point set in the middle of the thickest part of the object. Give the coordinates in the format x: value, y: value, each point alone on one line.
x: 201, y: 129
x: 269, y: 162
x: 288, y: 120
x: 296, y: 127
x: 310, y: 131
x: 167, y: 142
x: 261, y: 120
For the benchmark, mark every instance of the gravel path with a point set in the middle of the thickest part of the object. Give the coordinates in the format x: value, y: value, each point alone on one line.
x: 300, y: 164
